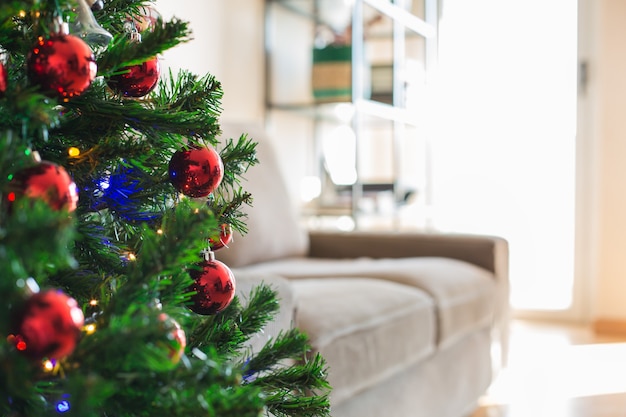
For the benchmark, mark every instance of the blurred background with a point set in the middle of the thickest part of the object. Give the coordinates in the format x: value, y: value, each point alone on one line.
x: 493, y: 116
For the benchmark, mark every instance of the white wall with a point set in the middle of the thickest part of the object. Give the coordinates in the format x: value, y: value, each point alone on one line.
x: 228, y: 43
x: 605, y: 129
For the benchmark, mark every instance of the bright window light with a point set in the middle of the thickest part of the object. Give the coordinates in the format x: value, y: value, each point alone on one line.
x: 339, y: 148
x: 503, y: 157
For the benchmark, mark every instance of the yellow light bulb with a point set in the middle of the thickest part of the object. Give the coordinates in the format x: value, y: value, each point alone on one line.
x: 48, y: 366
x: 90, y: 328
x: 73, y: 151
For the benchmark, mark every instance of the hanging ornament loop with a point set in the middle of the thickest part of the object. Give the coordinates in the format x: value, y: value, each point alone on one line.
x: 130, y: 28
x: 208, y: 255
x: 59, y: 27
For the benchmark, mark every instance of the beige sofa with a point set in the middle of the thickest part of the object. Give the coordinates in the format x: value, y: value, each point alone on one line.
x: 410, y: 324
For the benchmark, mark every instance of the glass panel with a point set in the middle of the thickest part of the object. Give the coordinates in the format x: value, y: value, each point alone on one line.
x: 376, y: 154
x: 378, y: 56
x: 392, y: 163
x: 415, y: 7
x: 377, y: 165
x: 413, y: 75
x: 413, y: 182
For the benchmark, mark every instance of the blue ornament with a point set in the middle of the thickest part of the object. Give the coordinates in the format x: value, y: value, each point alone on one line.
x: 119, y: 192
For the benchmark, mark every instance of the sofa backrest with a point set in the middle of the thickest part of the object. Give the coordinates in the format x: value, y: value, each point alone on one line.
x: 274, y: 230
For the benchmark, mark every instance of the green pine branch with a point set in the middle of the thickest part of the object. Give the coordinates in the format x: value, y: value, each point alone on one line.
x: 263, y: 304
x: 237, y: 157
x: 291, y: 392
x: 162, y: 253
x: 188, y: 93
x: 123, y: 52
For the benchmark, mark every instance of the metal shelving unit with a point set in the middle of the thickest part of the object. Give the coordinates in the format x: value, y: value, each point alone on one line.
x: 380, y: 109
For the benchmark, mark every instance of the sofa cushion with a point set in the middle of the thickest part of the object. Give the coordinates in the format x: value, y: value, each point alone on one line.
x: 366, y: 329
x: 272, y: 222
x: 246, y: 283
x: 464, y: 294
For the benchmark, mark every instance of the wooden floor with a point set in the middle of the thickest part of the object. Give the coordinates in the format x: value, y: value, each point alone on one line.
x: 558, y: 370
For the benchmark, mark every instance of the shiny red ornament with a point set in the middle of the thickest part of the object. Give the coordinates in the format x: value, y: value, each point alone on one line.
x: 47, y: 181
x: 214, y: 287
x: 224, y: 238
x: 3, y: 78
x: 63, y: 65
x: 176, y: 338
x: 47, y: 326
x: 137, y: 80
x: 196, y: 172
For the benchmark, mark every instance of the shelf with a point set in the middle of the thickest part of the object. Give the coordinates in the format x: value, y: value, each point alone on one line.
x: 352, y: 100
x: 371, y: 112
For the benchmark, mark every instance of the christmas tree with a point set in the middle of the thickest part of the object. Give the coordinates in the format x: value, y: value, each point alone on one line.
x: 116, y: 193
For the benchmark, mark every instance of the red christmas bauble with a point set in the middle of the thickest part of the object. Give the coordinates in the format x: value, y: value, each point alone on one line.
x: 48, y: 325
x: 62, y: 64
x: 196, y: 172
x: 224, y: 238
x: 3, y: 78
x: 214, y: 285
x: 137, y: 80
x: 47, y: 181
x: 176, y: 338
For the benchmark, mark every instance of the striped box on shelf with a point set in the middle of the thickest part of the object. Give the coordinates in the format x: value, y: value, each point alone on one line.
x: 332, y: 73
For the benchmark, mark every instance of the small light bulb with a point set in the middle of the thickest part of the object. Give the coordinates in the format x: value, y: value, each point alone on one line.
x: 63, y: 406
x: 90, y: 328
x: 73, y: 152
x: 48, y: 366
x: 132, y: 257
x: 93, y: 303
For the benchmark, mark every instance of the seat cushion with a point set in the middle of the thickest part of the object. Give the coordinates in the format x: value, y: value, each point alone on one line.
x: 247, y: 283
x: 465, y: 295
x: 366, y: 329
